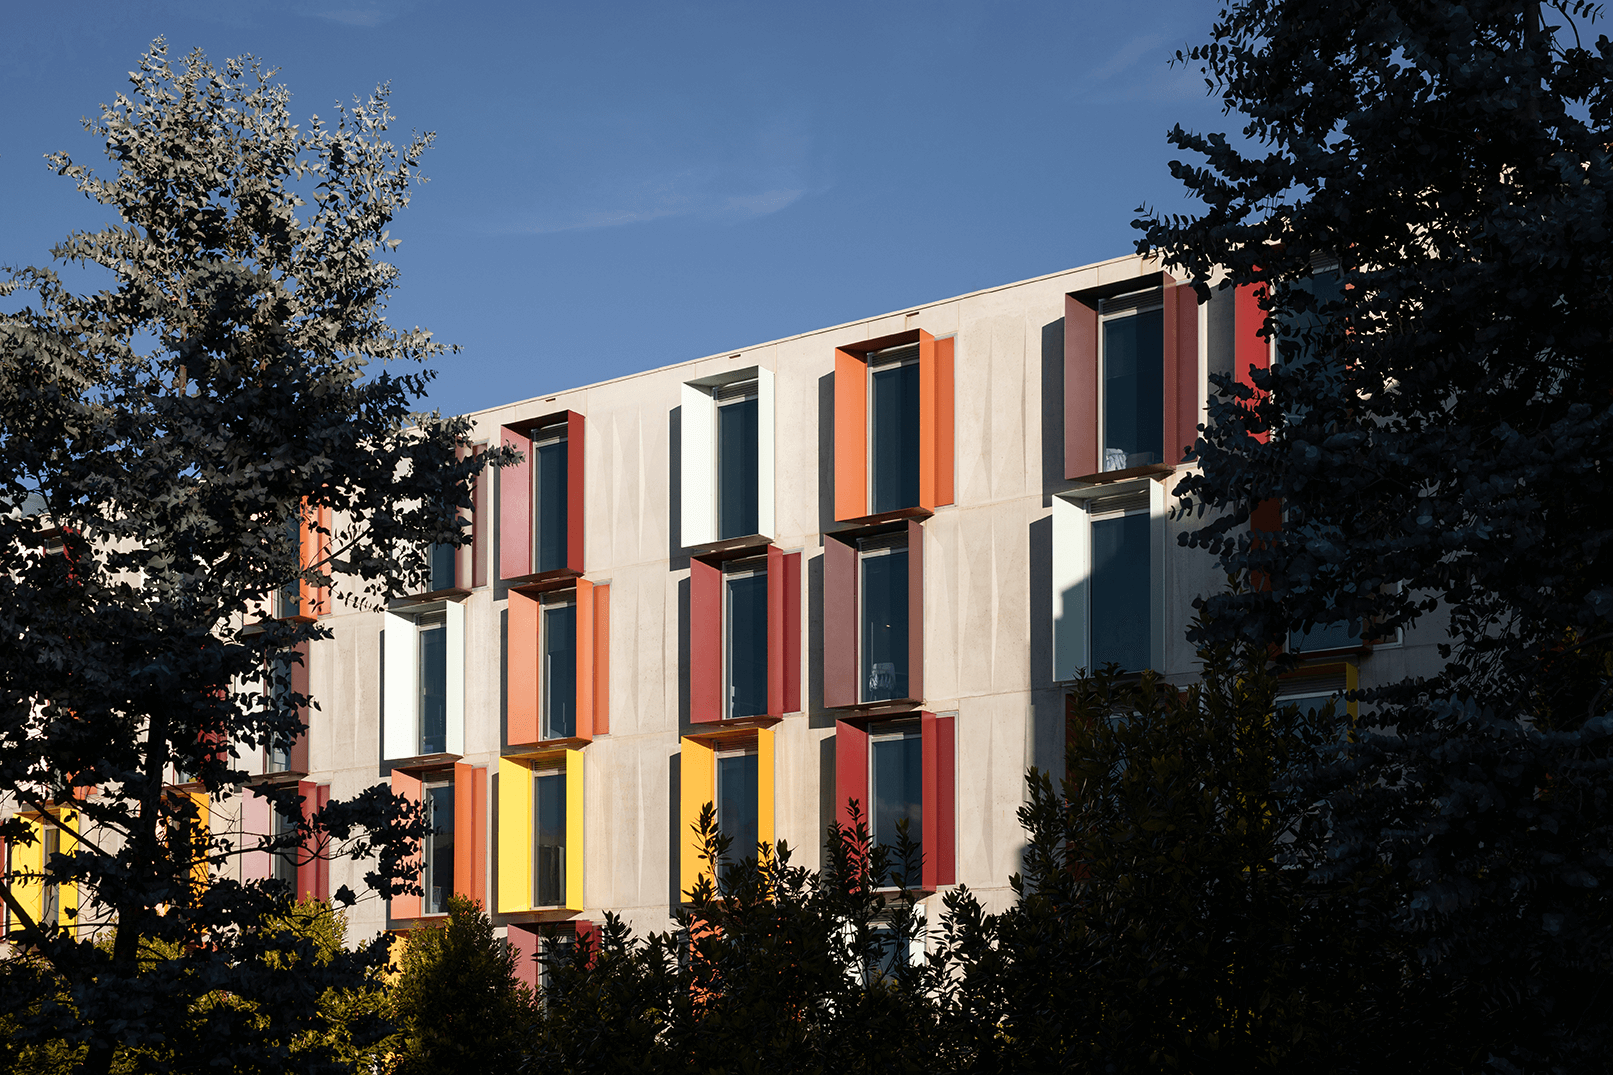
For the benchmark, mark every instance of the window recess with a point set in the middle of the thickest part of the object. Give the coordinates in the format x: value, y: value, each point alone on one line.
x: 733, y: 771
x: 303, y: 867
x: 1108, y: 593
x: 875, y: 764
x: 744, y: 636
x: 529, y: 941
x: 557, y: 664
x: 453, y: 859
x: 727, y: 458
x: 541, y: 499
x: 540, y: 837
x: 873, y: 629
x: 423, y: 690
x: 893, y: 426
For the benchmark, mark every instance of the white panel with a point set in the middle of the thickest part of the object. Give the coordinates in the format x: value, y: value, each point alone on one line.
x: 456, y: 677
x: 765, y: 461
x: 1072, y: 568
x: 1159, y: 531
x: 400, y: 695
x: 698, y: 508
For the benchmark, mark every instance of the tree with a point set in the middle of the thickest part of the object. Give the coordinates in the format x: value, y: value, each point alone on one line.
x: 1435, y: 431
x: 185, y: 428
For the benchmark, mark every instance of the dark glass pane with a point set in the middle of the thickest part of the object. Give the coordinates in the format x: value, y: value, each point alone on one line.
x: 549, y: 500
x: 559, y: 671
x: 283, y: 865
x: 884, y: 626
x: 897, y: 789
x: 1121, y: 625
x: 549, y: 839
x: 747, y: 646
x: 442, y: 568
x: 1134, y: 390
x: 279, y: 758
x: 1340, y: 635
x: 50, y: 909
x: 439, y: 879
x: 1299, y: 334
x: 433, y: 688
x: 736, y: 803
x: 291, y: 592
x: 736, y: 468
x: 895, y: 442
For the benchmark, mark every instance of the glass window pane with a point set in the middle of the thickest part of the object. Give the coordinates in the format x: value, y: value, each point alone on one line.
x: 433, y: 642
x: 442, y: 568
x: 1121, y: 624
x: 896, y: 788
x: 439, y: 847
x: 1339, y: 635
x: 549, y: 501
x: 895, y: 441
x: 884, y: 626
x: 746, y: 627
x: 291, y: 592
x: 549, y: 839
x: 283, y: 864
x: 736, y: 468
x: 559, y: 671
x: 736, y: 803
x: 1134, y: 390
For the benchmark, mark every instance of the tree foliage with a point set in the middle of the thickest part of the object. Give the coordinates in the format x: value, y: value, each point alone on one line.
x: 222, y: 377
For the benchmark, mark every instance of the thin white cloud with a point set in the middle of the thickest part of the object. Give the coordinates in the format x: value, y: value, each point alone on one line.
x: 1124, y: 57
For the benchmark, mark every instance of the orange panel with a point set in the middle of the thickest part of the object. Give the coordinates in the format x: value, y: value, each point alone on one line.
x: 407, y: 906
x: 585, y: 659
x: 851, y: 436
x: 521, y: 660
x: 602, y: 659
x: 312, y: 601
x: 478, y: 835
x: 926, y: 420
x: 464, y: 824
x: 944, y: 430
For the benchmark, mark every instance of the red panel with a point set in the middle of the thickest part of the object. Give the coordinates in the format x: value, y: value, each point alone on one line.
x: 1170, y: 326
x: 478, y: 526
x: 464, y: 815
x: 308, y: 853
x: 940, y: 800
x: 322, y: 864
x: 927, y: 422
x: 775, y: 632
x: 839, y: 623
x: 299, y: 685
x: 407, y: 906
x: 705, y: 642
x: 915, y: 609
x: 602, y: 659
x: 584, y: 643
x: 792, y: 633
x: 515, y: 508
x: 1267, y: 516
x: 525, y: 942
x: 575, y: 457
x: 1249, y: 348
x: 587, y: 933
x: 851, y: 436
x: 478, y: 836
x: 945, y: 432
x: 1080, y: 388
x: 1185, y: 421
x: 521, y: 671
x: 851, y: 771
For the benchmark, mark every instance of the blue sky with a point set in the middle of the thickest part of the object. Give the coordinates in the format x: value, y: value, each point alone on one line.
x: 617, y: 186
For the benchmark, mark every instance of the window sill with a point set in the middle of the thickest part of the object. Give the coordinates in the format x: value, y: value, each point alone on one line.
x: 870, y: 711
x: 285, y: 776
x: 543, y: 747
x: 731, y: 724
x: 423, y: 762
x: 843, y: 526
x: 562, y: 578
x: 453, y: 593
x: 540, y: 915
x: 730, y: 548
x: 1161, y: 471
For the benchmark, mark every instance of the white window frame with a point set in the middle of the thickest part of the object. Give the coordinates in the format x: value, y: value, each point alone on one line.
x: 741, y: 569
x: 1072, y: 574
x: 1154, y: 299
x: 427, y: 861
x: 698, y: 461
x: 886, y: 545
x: 400, y: 702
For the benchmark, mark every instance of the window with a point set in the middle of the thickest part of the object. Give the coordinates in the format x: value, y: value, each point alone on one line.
x: 549, y: 835
x: 1312, y: 688
x: 744, y: 636
x: 893, y: 429
x: 1109, y: 578
x: 437, y: 865
x: 423, y: 681
x: 286, y: 675
x: 283, y: 861
x: 51, y: 900
x: 557, y: 663
x: 873, y: 617
x: 883, y: 625
x: 541, y: 498
x: 560, y: 670
x: 902, y: 770
x: 893, y: 425
x: 307, y: 536
x: 1132, y: 375
x: 736, y: 800
x: 540, y: 831
x: 732, y: 770
x: 726, y: 457
x: 443, y: 562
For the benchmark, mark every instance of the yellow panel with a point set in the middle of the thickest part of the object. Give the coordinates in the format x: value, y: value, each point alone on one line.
x: 68, y: 892
x: 764, y: 785
x: 574, y: 830
x: 204, y: 832
x: 698, y: 779
x: 1352, y: 681
x: 30, y: 859
x: 514, y: 836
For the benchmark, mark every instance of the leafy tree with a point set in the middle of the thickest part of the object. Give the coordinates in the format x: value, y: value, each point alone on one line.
x: 209, y: 394
x: 457, y: 1002
x: 1436, y: 430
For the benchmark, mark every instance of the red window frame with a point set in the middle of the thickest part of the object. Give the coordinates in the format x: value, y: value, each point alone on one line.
x: 515, y: 499
x: 939, y: 745
x: 841, y: 664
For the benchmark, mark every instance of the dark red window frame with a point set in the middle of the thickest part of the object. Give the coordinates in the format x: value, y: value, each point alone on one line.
x: 938, y: 736
x: 841, y: 667
x: 515, y: 499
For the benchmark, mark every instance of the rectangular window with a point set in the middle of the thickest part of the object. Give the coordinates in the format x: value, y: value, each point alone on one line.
x: 289, y: 599
x: 549, y: 838
x: 51, y: 908
x: 896, y: 786
x: 1122, y: 628
x: 893, y: 435
x: 559, y: 671
x: 738, y: 413
x: 550, y: 499
x: 737, y: 801
x: 745, y: 641
x: 1132, y: 367
x: 437, y: 877
x: 432, y: 642
x: 883, y: 581
x: 283, y: 863
x: 442, y: 568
